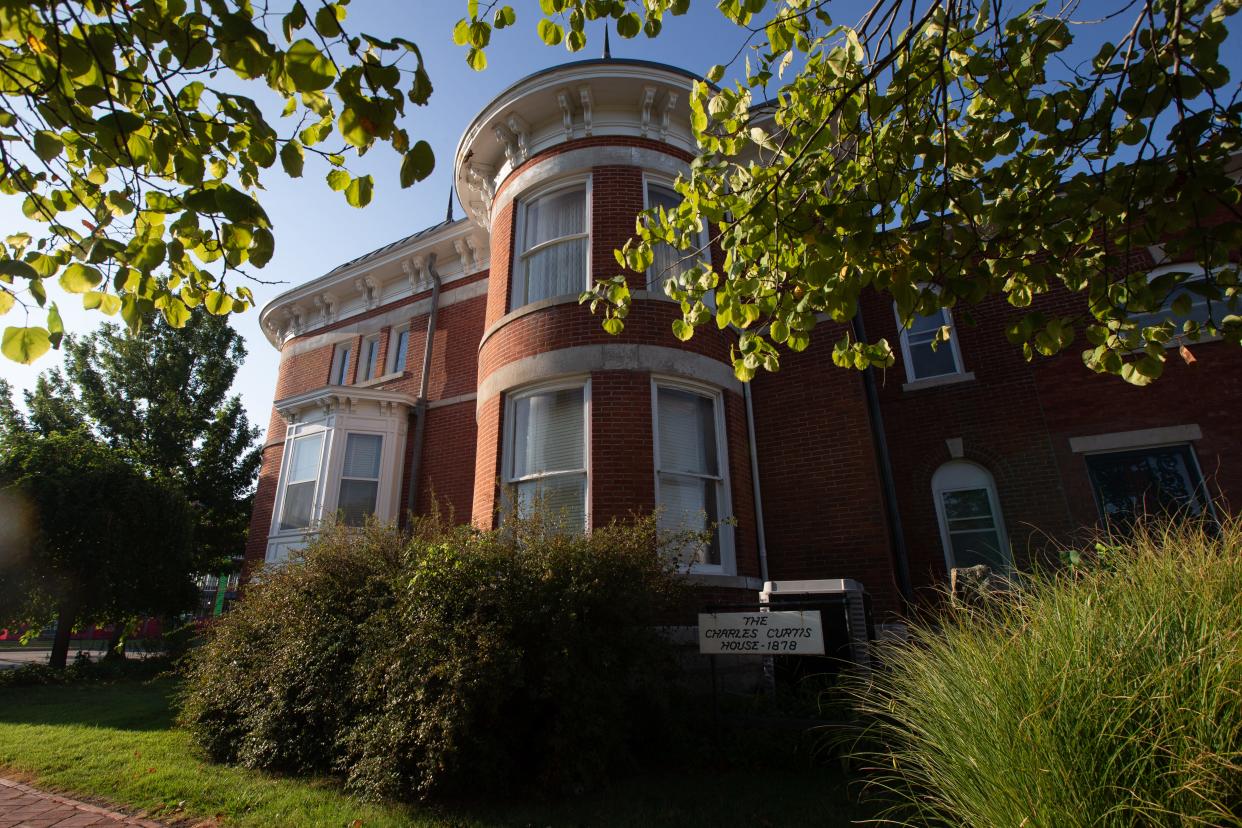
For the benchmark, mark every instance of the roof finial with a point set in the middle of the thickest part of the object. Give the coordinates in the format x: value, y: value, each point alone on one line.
x: 607, y: 48
x: 449, y: 215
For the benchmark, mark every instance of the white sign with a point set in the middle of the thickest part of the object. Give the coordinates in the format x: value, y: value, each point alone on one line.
x: 761, y: 633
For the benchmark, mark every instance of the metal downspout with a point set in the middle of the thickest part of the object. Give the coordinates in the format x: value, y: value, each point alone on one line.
x: 754, y: 476
x: 901, y: 559
x: 420, y: 405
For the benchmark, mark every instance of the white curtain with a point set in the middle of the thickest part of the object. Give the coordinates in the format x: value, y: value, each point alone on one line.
x: 548, y: 432
x: 559, y: 268
x: 689, y: 467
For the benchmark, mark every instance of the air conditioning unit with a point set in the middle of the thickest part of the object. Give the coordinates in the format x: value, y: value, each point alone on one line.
x: 845, y: 609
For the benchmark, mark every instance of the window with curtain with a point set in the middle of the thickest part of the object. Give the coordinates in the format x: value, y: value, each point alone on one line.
x: 398, y: 344
x: 690, y: 483
x: 546, y: 461
x: 668, y: 262
x: 923, y: 355
x: 301, y: 480
x: 370, y: 358
x: 1162, y: 481
x: 340, y: 364
x: 554, y: 236
x: 971, y: 527
x: 360, y: 472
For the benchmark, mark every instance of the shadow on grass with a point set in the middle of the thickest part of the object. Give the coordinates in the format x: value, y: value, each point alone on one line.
x: 148, y: 707
x: 754, y: 781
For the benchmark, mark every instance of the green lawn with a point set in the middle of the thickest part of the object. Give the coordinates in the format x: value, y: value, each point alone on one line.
x: 116, y: 743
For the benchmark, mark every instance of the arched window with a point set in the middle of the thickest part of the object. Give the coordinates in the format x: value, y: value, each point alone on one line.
x: 971, y: 526
x: 1185, y: 303
x: 924, y: 356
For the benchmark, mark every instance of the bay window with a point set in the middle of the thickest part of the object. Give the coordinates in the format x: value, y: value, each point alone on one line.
x: 301, y: 481
x: 691, y: 491
x: 546, y: 452
x: 668, y: 262
x: 360, y: 473
x: 553, y: 238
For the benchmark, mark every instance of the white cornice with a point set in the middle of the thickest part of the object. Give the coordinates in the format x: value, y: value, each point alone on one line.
x: 376, y: 279
x: 577, y: 100
x: 345, y: 398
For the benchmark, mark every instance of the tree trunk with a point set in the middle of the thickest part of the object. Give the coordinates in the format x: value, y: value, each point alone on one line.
x: 64, y: 627
x: 116, y: 647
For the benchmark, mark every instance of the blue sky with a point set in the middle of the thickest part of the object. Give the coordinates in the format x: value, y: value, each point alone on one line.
x: 315, y: 230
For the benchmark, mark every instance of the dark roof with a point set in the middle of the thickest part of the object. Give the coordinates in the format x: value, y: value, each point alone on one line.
x: 374, y: 253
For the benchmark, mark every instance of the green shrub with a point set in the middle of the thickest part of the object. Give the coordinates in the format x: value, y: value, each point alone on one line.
x: 445, y: 661
x: 1106, y: 694
x: 85, y: 671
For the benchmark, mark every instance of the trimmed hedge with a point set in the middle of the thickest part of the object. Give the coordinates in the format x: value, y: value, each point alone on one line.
x: 445, y: 661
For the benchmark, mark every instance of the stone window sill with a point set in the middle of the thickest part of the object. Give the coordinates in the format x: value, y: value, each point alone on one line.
x: 381, y: 379
x: 936, y: 382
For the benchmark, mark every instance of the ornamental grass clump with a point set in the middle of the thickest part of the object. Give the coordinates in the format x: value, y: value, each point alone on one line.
x: 447, y: 661
x: 1108, y: 693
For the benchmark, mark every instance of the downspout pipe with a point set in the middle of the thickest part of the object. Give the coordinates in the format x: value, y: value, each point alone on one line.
x: 754, y: 476
x: 897, y: 536
x: 420, y: 405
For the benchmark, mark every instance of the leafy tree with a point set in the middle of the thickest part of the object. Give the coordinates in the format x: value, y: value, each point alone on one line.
x: 941, y: 152
x: 10, y: 418
x: 162, y: 395
x: 83, y: 559
x: 125, y: 132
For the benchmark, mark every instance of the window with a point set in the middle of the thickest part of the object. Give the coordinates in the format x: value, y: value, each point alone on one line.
x: 554, y: 244
x: 300, y: 481
x: 922, y: 360
x: 1159, y: 481
x: 668, y: 262
x: 340, y: 365
x: 971, y: 527
x: 360, y: 473
x: 546, y: 452
x: 370, y: 358
x: 690, y: 484
x: 1184, y: 304
x: 398, y: 344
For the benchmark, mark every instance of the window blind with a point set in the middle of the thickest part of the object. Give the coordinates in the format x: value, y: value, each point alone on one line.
x: 548, y: 432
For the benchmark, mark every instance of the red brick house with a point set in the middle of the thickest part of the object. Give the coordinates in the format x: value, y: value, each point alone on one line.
x: 457, y: 364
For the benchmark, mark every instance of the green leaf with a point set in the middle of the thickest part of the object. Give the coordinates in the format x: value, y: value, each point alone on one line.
x: 682, y: 329
x: 550, y: 32
x: 47, y: 144
x: 629, y: 25
x: 292, y: 158
x: 327, y: 20
x: 17, y: 269
x: 176, y: 313
x: 504, y: 16
x: 309, y: 68
x: 417, y: 164
x: 715, y: 73
x: 55, y: 326
x: 218, y: 302
x: 79, y: 278
x: 25, y: 345
x: 6, y: 301
x: 476, y: 59
x: 358, y: 193
x: 338, y: 179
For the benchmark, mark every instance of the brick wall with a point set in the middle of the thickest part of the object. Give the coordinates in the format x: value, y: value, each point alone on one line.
x: 487, y: 462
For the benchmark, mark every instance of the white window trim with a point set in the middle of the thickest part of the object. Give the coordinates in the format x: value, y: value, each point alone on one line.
x: 728, y: 552
x: 368, y: 369
x: 295, y: 433
x: 652, y: 179
x: 998, y: 515
x: 1132, y: 440
x: 509, y: 435
x: 1197, y: 273
x: 342, y: 352
x: 959, y: 366
x: 394, y: 337
x: 518, y: 286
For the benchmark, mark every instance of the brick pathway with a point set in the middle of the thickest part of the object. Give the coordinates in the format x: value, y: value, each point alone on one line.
x: 22, y: 806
